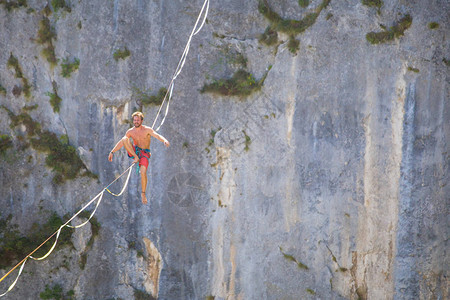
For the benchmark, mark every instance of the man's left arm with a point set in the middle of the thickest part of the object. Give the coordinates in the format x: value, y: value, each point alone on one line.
x: 159, y: 137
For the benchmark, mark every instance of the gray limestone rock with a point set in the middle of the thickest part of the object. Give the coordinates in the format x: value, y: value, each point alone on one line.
x: 329, y: 181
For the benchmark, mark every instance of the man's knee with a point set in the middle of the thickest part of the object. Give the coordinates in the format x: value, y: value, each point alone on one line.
x: 143, y: 170
x: 125, y: 140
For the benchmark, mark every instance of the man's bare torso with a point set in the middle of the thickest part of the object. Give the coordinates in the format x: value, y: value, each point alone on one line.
x: 141, y: 136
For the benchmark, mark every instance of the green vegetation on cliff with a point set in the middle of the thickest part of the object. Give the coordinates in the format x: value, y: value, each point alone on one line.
x: 62, y: 158
x: 303, y: 3
x: 13, y: 4
x: 241, y: 84
x: 5, y: 143
x: 269, y: 37
x: 121, y: 54
x: 392, y: 33
x: 46, y: 35
x: 13, y: 62
x: 373, y: 3
x: 69, y: 67
x: 289, y: 257
x: 144, y: 98
x: 288, y: 26
x: 55, y: 100
x: 14, y: 246
x: 57, y: 293
x: 433, y: 25
x: 60, y: 4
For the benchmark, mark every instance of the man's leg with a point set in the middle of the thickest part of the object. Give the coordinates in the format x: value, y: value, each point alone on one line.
x: 143, y: 170
x: 129, y: 148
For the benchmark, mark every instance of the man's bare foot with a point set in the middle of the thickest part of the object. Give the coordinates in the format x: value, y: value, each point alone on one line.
x: 144, y: 199
x: 136, y: 159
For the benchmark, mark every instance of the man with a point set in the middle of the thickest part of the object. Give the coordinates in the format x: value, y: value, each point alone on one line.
x: 140, y: 149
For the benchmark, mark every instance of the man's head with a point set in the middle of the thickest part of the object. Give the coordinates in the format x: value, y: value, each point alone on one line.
x: 138, y: 117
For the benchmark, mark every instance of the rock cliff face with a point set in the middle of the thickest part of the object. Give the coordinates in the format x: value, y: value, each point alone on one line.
x: 323, y: 174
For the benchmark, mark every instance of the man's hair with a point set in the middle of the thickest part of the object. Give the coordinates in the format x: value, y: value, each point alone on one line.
x: 139, y: 114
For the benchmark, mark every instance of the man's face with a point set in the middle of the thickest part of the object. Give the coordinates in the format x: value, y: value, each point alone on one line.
x: 137, y: 122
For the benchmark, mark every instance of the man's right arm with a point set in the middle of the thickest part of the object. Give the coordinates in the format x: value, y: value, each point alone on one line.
x: 116, y: 147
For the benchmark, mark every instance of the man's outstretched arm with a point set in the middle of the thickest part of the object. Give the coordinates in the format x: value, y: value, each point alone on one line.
x: 159, y: 137
x: 116, y: 147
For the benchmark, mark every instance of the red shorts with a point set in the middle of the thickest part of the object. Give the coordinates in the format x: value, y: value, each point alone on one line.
x: 143, y: 156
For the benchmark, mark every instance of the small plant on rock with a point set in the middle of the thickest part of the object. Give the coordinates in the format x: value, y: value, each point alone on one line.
x: 69, y: 67
x: 412, y: 69
x: 55, y: 100
x: 5, y: 143
x: 146, y: 99
x: 373, y: 3
x: 293, y: 45
x: 121, y: 54
x: 2, y: 90
x: 303, y: 3
x: 13, y: 4
x: 433, y: 25
x: 390, y: 34
x: 46, y: 35
x: 269, y: 37
x: 60, y: 4
x: 241, y: 84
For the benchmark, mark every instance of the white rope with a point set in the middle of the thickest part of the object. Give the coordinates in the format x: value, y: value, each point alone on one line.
x: 168, y: 95
x: 51, y: 249
x: 58, y: 232
x: 15, y: 281
x: 92, y: 214
x: 124, y: 186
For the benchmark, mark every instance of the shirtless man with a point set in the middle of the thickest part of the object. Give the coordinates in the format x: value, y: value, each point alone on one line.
x: 140, y: 149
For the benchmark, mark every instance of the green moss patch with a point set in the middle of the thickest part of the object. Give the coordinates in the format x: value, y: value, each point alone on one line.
x: 433, y: 25
x: 69, y: 67
x: 121, y: 54
x: 446, y: 62
x: 145, y: 98
x: 303, y: 3
x: 241, y: 84
x: 30, y: 107
x: 293, y: 45
x: 57, y: 293
x: 373, y: 3
x: 289, y: 257
x: 269, y: 37
x: 61, y: 4
x: 95, y: 229
x: 248, y: 141
x: 32, y: 127
x: 291, y: 27
x: 2, y: 90
x: 15, y: 246
x: 392, y: 33
x: 62, y: 158
x: 55, y: 100
x: 13, y: 63
x: 288, y: 26
x: 46, y: 35
x: 213, y: 134
x: 310, y: 291
x: 13, y: 4
x: 141, y: 295
x: 415, y: 70
x: 5, y: 143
